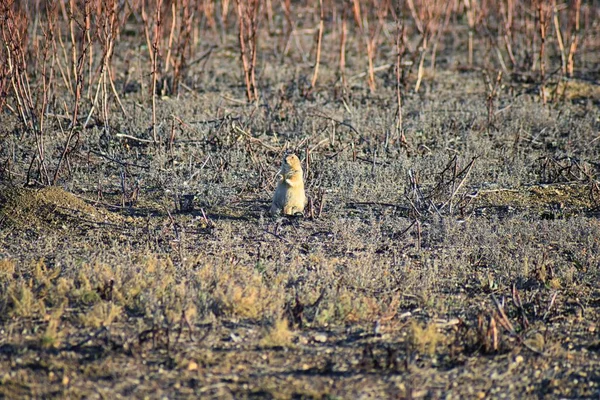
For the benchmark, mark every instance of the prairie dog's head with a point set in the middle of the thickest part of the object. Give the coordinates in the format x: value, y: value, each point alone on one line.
x: 291, y: 163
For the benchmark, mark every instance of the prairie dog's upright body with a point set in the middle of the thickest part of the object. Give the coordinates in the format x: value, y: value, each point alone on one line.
x: 289, y: 198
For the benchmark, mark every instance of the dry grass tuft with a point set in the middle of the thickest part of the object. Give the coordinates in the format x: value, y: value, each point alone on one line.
x: 7, y: 270
x: 249, y: 299
x: 101, y: 314
x: 22, y: 300
x: 279, y: 335
x: 425, y: 338
x: 52, y: 337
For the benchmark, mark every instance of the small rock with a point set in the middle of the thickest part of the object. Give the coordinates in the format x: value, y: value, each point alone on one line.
x: 192, y: 366
x: 519, y: 359
x: 320, y: 338
x: 302, y: 340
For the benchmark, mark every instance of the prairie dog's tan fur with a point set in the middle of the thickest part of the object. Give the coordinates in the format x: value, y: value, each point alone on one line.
x: 289, y: 198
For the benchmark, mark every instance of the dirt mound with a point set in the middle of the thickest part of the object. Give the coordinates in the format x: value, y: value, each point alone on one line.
x: 564, y: 199
x: 44, y: 209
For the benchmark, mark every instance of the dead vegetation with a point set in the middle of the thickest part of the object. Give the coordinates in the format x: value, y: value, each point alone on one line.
x: 450, y: 246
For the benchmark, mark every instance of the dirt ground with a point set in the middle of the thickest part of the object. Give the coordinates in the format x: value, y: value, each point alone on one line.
x: 461, y: 263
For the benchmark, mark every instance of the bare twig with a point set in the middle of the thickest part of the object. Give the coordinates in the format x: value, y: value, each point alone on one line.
x: 320, y: 39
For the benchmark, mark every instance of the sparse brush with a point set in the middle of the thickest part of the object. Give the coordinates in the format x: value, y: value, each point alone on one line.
x: 319, y: 45
x: 72, y: 50
x: 4, y: 78
x: 101, y: 314
x: 153, y: 41
x: 279, y: 335
x: 575, y: 37
x: 248, y: 12
x: 343, y: 40
x: 543, y: 14
x: 53, y: 336
x: 488, y: 337
x: 370, y: 35
x: 7, y: 270
x: 425, y: 338
x: 22, y: 300
x: 181, y: 47
x: 397, y: 250
x: 30, y: 105
x: 252, y: 301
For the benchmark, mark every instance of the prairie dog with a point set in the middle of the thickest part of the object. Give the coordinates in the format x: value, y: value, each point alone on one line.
x: 289, y: 197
